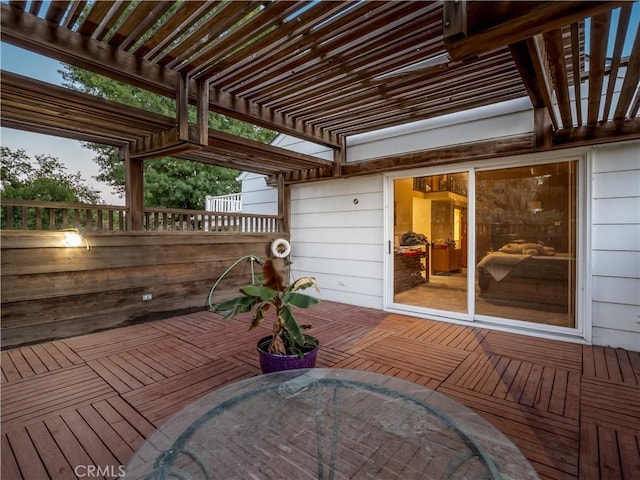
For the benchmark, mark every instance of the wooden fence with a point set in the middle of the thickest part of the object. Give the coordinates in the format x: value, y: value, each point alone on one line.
x: 36, y: 215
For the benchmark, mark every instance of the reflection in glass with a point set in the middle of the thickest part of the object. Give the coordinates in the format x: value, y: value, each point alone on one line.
x: 526, y: 243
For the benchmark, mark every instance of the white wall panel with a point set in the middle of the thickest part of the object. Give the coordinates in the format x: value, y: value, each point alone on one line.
x: 300, y: 146
x: 617, y: 316
x: 618, y: 158
x: 338, y: 267
x: 611, y: 211
x: 615, y: 237
x: 503, y: 125
x: 347, y: 257
x: 615, y: 185
x: 625, y: 291
x: 615, y: 245
x: 616, y: 338
x: 616, y: 264
x: 346, y: 251
x: 327, y: 236
x: 257, y: 196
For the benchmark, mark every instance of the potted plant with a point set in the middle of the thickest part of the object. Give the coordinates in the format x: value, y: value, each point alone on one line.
x: 288, y: 347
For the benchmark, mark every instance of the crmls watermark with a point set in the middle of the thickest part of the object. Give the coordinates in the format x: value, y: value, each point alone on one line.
x: 95, y: 471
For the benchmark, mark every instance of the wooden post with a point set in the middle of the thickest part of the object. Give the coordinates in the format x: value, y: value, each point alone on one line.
x: 134, y: 175
x: 284, y: 202
x: 542, y: 128
x: 182, y: 107
x: 339, y: 157
x: 202, y: 122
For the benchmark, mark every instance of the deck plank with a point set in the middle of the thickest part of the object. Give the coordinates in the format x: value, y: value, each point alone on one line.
x: 8, y: 464
x: 66, y: 441
x: 35, y: 398
x: 20, y: 363
x: 9, y: 370
x: 53, y: 459
x: 551, y: 353
x: 90, y: 441
x: 45, y: 357
x: 110, y: 437
x: 629, y: 446
x: 26, y: 456
x: 573, y: 410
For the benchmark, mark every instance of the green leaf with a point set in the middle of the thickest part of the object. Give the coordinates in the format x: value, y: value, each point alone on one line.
x: 263, y: 293
x: 234, y: 306
x: 299, y: 300
x: 291, y: 325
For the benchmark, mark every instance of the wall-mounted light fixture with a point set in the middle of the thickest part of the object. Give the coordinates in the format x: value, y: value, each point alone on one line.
x: 73, y: 238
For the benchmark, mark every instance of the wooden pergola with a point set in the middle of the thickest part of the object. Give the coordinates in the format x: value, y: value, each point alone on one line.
x: 322, y: 71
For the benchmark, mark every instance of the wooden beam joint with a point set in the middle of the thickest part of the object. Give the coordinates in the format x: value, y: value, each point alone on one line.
x: 454, y: 20
x: 166, y: 143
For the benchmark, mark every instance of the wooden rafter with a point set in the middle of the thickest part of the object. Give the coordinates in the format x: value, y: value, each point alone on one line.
x: 512, y: 22
x: 623, y: 24
x: 30, y: 32
x: 322, y: 71
x: 554, y: 48
x: 532, y: 70
x: 439, y: 156
x: 37, y: 106
x: 630, y: 83
x: 576, y: 70
x: 599, y: 34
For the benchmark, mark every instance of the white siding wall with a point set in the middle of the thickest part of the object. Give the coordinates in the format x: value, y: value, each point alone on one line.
x: 337, y: 236
x: 615, y: 245
x: 503, y: 120
x: 257, y: 197
x: 341, y: 243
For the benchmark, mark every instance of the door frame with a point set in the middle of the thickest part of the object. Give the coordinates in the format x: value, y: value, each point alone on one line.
x: 583, y: 313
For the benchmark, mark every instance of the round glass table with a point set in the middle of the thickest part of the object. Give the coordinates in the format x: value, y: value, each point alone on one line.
x: 327, y: 424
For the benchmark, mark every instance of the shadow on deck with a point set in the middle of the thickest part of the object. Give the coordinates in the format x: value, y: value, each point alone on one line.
x: 573, y: 410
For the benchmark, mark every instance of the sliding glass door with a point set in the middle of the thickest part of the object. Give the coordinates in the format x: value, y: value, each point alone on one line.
x: 517, y: 257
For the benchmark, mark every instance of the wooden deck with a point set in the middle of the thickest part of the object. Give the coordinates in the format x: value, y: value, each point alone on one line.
x: 573, y: 410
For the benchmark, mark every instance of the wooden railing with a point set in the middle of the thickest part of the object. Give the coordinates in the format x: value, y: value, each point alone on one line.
x: 159, y: 219
x: 35, y: 215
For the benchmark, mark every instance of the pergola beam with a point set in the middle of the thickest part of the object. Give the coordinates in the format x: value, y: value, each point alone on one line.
x: 27, y: 31
x: 509, y: 23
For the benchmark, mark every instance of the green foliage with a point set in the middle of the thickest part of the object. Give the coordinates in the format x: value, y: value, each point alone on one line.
x: 44, y: 179
x: 288, y: 336
x: 168, y: 183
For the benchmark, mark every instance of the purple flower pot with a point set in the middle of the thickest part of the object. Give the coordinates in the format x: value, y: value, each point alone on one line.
x: 270, y: 362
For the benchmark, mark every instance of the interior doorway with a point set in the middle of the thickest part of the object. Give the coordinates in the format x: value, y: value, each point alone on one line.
x: 430, y: 242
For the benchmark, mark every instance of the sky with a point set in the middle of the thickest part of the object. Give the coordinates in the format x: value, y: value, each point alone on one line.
x: 69, y: 152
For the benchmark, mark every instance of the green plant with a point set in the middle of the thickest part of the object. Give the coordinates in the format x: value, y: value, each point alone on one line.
x: 268, y: 291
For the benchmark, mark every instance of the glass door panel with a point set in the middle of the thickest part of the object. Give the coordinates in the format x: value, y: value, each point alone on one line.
x: 526, y: 243
x: 430, y: 241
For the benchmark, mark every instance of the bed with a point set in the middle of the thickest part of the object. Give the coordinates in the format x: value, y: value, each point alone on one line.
x: 539, y: 280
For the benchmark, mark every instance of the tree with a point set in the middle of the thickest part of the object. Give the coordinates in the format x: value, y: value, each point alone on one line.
x: 44, y: 179
x: 168, y: 182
